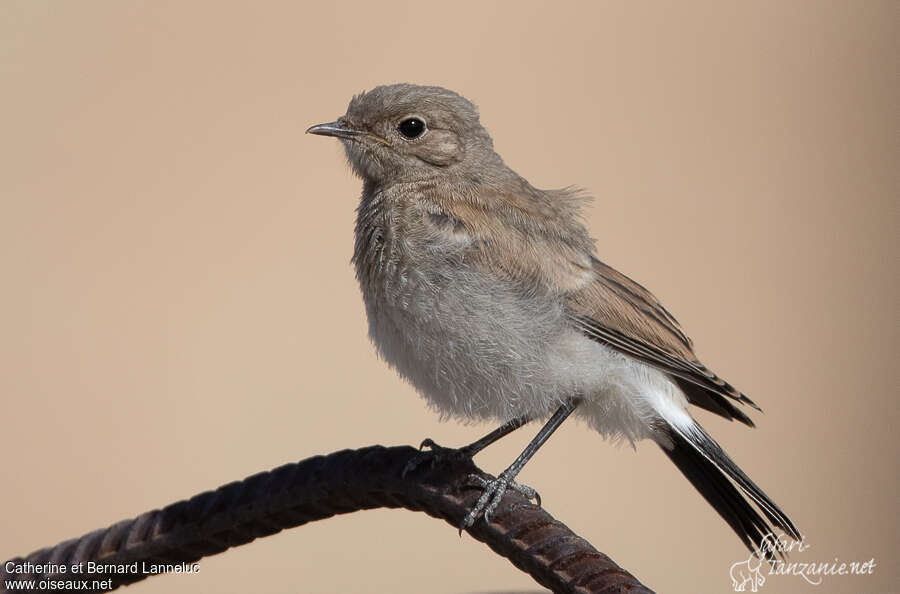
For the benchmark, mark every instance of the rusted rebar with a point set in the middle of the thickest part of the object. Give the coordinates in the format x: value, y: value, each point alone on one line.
x: 321, y: 487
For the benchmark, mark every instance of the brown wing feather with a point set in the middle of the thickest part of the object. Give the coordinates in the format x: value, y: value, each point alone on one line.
x: 617, y: 302
x: 615, y: 310
x: 536, y: 237
x: 529, y: 236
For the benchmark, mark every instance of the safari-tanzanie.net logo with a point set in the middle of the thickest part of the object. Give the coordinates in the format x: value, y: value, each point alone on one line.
x: 752, y: 573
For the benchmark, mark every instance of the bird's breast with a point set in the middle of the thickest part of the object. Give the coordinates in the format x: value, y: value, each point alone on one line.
x: 474, y: 345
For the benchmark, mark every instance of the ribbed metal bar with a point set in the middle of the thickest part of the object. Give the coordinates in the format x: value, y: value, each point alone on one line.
x: 319, y: 488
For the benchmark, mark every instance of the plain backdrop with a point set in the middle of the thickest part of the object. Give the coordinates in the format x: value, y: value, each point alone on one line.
x: 177, y: 307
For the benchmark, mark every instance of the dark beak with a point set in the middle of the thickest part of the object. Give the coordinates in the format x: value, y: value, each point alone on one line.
x: 338, y: 128
x: 341, y: 129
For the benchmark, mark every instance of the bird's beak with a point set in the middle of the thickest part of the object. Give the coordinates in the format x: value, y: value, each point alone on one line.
x: 341, y: 129
x: 338, y: 128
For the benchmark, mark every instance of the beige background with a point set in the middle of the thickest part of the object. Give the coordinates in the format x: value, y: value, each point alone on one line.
x: 178, y: 309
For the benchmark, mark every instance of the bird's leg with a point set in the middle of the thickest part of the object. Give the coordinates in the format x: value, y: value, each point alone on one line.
x: 438, y: 453
x: 494, y: 489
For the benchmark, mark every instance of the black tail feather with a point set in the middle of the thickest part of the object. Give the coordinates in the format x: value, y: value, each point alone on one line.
x: 708, y: 468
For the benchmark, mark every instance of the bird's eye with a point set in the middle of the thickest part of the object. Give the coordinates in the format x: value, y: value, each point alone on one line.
x: 411, y: 128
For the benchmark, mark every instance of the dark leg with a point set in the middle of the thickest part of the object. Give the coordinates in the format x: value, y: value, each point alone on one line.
x: 437, y: 453
x: 493, y: 490
x: 495, y: 435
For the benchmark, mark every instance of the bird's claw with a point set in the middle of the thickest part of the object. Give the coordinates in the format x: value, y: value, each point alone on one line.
x: 493, y: 490
x: 435, y: 453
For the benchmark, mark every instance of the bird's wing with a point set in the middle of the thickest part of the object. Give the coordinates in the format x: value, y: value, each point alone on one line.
x: 620, y: 313
x: 527, y: 236
x: 535, y: 238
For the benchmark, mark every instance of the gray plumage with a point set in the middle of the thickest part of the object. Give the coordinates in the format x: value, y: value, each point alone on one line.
x: 485, y: 294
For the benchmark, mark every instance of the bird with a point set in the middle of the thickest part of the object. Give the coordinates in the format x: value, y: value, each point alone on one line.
x: 485, y: 293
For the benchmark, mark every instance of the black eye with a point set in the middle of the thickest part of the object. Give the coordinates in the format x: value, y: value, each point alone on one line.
x: 412, y: 127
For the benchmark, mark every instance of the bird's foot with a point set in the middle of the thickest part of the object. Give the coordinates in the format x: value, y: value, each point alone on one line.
x: 493, y: 490
x: 435, y: 454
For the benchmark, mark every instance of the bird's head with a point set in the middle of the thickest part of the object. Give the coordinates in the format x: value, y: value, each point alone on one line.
x: 402, y: 133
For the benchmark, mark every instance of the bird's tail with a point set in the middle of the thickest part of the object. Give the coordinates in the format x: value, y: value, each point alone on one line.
x: 709, y: 469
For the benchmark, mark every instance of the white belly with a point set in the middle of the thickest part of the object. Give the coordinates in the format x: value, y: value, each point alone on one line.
x: 479, y: 350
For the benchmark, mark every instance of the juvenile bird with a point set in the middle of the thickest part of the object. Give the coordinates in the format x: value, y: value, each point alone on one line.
x: 483, y: 291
